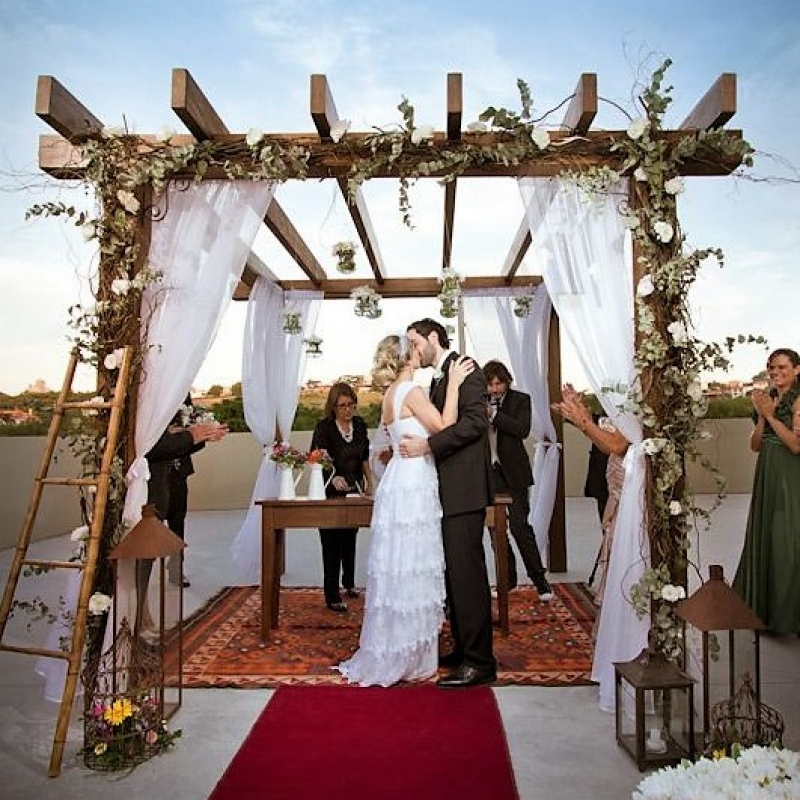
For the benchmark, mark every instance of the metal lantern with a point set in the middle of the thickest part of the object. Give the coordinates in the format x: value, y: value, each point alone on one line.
x: 148, y: 541
x: 725, y: 660
x: 661, y: 730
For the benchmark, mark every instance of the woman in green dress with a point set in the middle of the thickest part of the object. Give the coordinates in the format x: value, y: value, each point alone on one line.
x: 768, y: 577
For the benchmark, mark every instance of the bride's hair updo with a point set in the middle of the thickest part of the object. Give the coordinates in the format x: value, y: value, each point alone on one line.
x: 390, y: 357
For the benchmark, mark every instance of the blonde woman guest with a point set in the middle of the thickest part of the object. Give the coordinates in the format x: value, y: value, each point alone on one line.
x: 767, y: 577
x: 405, y: 576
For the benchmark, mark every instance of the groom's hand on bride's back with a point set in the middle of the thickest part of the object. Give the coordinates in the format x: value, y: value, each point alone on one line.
x: 413, y: 446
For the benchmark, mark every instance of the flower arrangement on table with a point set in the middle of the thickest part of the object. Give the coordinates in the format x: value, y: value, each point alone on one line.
x: 122, y: 733
x: 450, y: 294
x: 286, y: 456
x: 752, y: 772
x: 367, y: 302
x: 319, y: 457
x: 345, y: 253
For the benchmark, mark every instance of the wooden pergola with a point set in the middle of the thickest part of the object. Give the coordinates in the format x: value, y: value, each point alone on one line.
x: 73, y: 123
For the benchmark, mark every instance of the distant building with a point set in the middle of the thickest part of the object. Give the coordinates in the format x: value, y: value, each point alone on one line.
x: 17, y: 416
x: 38, y: 387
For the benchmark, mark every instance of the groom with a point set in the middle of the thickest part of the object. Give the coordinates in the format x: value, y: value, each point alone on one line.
x: 461, y: 452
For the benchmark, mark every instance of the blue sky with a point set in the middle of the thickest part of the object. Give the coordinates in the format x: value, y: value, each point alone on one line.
x: 253, y: 60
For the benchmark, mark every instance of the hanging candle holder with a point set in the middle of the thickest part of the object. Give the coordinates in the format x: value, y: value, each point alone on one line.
x: 367, y: 302
x: 313, y: 346
x: 345, y: 253
x: 292, y: 321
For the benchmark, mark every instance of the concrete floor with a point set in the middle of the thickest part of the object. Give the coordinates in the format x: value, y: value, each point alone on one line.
x: 561, y: 745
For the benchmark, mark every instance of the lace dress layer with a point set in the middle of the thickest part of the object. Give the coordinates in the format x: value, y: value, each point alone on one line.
x: 405, y: 590
x: 767, y: 577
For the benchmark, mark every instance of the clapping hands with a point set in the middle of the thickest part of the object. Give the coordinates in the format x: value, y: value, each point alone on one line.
x: 573, y: 407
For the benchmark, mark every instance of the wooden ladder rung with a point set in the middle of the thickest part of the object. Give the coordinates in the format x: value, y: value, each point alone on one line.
x: 36, y: 651
x: 50, y: 564
x: 69, y: 481
x: 84, y: 405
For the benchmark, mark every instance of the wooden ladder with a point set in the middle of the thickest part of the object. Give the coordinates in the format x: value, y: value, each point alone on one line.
x: 74, y: 654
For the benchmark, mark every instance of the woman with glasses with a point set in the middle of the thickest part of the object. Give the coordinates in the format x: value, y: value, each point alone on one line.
x: 344, y: 435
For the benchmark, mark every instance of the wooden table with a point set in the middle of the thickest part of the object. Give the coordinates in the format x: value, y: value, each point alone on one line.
x: 278, y: 516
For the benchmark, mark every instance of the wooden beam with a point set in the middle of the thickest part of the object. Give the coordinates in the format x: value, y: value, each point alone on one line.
x: 583, y: 108
x: 519, y: 247
x: 716, y: 106
x: 326, y: 160
x: 242, y: 290
x: 199, y: 116
x: 294, y: 244
x: 62, y: 112
x: 455, y: 111
x: 340, y: 288
x: 325, y: 115
x: 193, y: 107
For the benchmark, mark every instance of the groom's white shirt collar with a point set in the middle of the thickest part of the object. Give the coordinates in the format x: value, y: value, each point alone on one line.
x: 444, y: 358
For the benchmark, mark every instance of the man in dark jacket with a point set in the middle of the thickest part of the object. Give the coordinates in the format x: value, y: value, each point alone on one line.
x: 510, y: 424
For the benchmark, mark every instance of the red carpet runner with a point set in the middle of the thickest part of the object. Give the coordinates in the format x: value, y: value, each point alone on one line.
x: 549, y: 644
x: 349, y: 743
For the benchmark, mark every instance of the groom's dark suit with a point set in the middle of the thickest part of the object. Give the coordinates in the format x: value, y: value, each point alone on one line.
x: 461, y: 452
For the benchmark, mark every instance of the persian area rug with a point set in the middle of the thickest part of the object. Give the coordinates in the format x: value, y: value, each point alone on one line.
x: 313, y: 742
x: 549, y: 644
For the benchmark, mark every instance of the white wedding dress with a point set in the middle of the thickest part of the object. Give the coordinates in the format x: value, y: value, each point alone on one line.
x: 405, y: 575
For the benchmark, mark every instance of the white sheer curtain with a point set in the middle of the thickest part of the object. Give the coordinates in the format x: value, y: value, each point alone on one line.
x: 272, y: 367
x: 525, y: 343
x: 579, y: 246
x: 200, y: 241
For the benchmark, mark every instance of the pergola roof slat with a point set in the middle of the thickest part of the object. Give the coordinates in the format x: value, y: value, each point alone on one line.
x: 63, y: 112
x: 716, y: 107
x: 455, y: 111
x: 325, y: 115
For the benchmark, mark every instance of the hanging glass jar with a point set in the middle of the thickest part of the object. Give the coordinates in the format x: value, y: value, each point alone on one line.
x: 292, y: 321
x: 450, y: 295
x: 313, y: 346
x: 367, y: 302
x: 522, y: 305
x: 345, y: 253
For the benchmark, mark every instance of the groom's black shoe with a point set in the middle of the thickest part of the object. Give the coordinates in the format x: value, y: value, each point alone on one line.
x: 451, y: 660
x: 467, y: 676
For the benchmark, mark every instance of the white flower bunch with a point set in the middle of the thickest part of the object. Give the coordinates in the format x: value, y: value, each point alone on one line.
x: 671, y: 593
x: 763, y: 772
x: 99, y: 603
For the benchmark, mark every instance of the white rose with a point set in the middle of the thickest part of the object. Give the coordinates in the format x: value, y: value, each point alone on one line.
x: 79, y: 534
x: 678, y: 332
x: 99, y: 603
x: 89, y: 231
x: 674, y: 185
x: 672, y: 593
x: 421, y: 134
x: 675, y: 508
x: 120, y: 286
x: 254, y: 136
x: 541, y: 138
x: 695, y: 392
x: 477, y: 127
x: 339, y: 129
x: 128, y: 200
x: 164, y: 134
x: 663, y: 231
x: 653, y: 445
x: 645, y: 286
x: 109, y: 362
x: 639, y: 174
x: 630, y: 221
x: 637, y: 128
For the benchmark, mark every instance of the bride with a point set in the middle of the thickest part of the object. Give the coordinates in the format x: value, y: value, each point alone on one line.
x: 405, y: 591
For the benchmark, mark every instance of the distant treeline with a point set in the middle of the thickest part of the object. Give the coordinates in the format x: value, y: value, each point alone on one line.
x: 309, y: 411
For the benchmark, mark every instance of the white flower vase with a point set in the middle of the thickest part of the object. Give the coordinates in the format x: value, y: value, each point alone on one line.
x: 287, y: 485
x: 316, y: 483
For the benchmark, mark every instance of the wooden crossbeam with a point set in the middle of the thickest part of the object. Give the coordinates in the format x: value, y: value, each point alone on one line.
x: 583, y: 108
x: 577, y: 120
x: 199, y: 116
x: 716, y: 106
x: 325, y: 115
x: 63, y: 112
x: 340, y: 288
x: 455, y: 110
